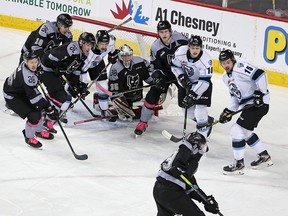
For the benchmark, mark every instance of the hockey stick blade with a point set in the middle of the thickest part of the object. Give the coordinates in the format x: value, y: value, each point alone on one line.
x: 81, y: 157
x: 171, y: 137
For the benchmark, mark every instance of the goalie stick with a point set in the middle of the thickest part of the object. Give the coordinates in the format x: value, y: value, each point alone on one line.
x: 97, y: 118
x: 173, y: 138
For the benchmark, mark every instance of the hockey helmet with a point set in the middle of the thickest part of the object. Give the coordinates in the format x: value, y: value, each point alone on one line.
x: 195, y: 138
x: 102, y: 36
x: 125, y: 50
x: 195, y: 40
x: 162, y: 25
x: 225, y: 55
x: 86, y: 37
x: 64, y: 20
x: 28, y: 55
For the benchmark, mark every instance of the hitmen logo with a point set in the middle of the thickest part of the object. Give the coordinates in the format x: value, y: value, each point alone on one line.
x: 131, y: 9
x: 275, y: 43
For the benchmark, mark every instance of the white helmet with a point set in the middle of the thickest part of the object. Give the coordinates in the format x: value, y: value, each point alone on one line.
x: 125, y: 50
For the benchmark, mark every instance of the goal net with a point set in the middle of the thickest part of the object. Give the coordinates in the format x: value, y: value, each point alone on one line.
x: 139, y: 40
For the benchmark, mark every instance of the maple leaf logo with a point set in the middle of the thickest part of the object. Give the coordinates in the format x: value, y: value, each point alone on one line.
x: 129, y: 8
x: 121, y: 12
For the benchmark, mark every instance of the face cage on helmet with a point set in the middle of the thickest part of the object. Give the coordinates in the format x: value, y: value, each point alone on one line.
x: 126, y: 64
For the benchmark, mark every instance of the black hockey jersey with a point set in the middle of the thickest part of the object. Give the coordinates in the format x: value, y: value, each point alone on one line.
x: 45, y: 38
x: 123, y: 79
x: 161, y: 55
x: 23, y: 84
x: 68, y: 57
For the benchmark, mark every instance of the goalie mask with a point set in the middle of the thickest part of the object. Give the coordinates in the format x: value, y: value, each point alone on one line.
x: 125, y: 55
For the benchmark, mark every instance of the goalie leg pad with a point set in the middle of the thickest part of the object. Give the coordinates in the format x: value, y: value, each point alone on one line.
x: 123, y: 108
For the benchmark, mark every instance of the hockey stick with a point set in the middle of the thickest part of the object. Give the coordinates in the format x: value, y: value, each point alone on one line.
x: 101, y: 73
x: 173, y: 138
x: 78, y: 157
x: 97, y: 118
x: 137, y: 89
x: 121, y: 24
x: 200, y: 194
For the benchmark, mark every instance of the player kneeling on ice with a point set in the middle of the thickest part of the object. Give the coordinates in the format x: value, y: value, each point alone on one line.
x: 127, y: 75
x: 22, y: 96
x: 247, y: 85
x: 176, y: 187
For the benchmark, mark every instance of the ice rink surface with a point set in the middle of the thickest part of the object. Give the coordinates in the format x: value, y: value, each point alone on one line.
x: 118, y: 177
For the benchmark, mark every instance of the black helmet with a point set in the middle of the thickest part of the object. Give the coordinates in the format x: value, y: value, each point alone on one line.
x: 102, y: 36
x: 162, y: 25
x: 195, y: 41
x: 196, y: 138
x: 65, y: 20
x: 86, y: 37
x: 28, y: 55
x: 225, y: 55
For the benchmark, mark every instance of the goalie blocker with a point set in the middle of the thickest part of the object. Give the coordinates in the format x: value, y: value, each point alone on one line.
x: 124, y: 110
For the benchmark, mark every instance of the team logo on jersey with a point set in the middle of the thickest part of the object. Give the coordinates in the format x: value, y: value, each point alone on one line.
x: 169, y: 58
x: 210, y: 62
x: 131, y: 9
x: 113, y: 75
x: 234, y: 90
x: 133, y: 81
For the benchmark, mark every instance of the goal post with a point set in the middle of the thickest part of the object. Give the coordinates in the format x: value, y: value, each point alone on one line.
x: 140, y: 40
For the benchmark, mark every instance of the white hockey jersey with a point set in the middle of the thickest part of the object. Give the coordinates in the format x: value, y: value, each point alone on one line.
x: 242, y: 82
x: 94, y: 59
x: 199, y: 70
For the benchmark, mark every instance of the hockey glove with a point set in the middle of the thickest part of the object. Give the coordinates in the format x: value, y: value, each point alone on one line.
x: 258, y: 99
x: 83, y: 90
x: 211, y: 205
x: 159, y: 79
x: 225, y: 116
x: 73, y: 91
x: 185, y: 81
x: 189, y: 99
x: 113, y: 56
x: 52, y: 112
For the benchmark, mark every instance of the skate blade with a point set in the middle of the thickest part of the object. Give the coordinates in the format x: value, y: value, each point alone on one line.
x: 263, y: 165
x: 237, y: 172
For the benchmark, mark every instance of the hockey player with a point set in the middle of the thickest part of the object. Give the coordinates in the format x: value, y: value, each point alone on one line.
x: 247, y: 85
x: 67, y: 60
x: 126, y: 74
x: 49, y: 35
x: 193, y: 68
x: 161, y: 54
x: 22, y: 96
x: 172, y: 194
x: 95, y: 65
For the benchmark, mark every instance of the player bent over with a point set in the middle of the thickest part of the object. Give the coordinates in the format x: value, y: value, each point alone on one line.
x: 172, y: 194
x: 193, y: 68
x: 22, y: 96
x: 66, y: 61
x: 126, y: 74
x: 247, y: 85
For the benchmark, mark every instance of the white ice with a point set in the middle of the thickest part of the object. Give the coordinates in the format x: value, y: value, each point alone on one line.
x: 118, y: 177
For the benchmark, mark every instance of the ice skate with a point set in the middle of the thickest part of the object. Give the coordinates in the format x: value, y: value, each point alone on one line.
x: 32, y: 142
x: 140, y: 128
x: 49, y: 126
x: 63, y: 117
x: 235, y: 168
x: 44, y: 135
x: 264, y: 160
